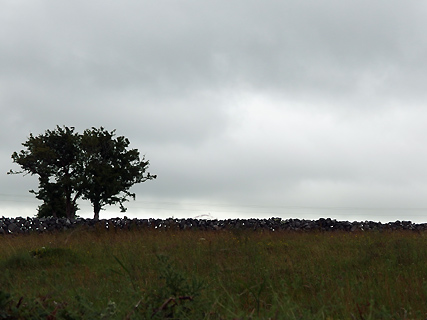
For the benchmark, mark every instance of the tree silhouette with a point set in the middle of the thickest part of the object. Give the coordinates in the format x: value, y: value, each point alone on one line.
x: 94, y: 165
x: 110, y: 169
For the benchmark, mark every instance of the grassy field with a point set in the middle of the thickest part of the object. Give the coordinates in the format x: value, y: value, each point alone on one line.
x: 241, y: 274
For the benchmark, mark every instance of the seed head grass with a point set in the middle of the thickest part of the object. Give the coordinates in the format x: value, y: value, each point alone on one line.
x: 191, y: 274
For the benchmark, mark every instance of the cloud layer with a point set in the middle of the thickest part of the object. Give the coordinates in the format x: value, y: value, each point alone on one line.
x: 242, y: 107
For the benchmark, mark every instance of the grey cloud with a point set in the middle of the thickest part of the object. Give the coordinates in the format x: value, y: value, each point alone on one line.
x: 191, y: 84
x: 326, y: 48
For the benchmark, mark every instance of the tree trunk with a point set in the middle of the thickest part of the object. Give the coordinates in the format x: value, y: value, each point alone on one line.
x: 69, y: 210
x: 96, y: 209
x: 68, y: 207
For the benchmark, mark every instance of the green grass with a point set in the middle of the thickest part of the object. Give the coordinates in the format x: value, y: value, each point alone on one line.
x: 152, y: 274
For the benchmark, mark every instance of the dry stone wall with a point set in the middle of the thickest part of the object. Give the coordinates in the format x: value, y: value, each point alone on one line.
x: 27, y: 225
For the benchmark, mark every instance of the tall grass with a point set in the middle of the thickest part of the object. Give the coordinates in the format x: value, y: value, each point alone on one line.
x: 143, y: 274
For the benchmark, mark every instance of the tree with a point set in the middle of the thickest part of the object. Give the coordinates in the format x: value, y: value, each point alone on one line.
x: 55, y: 157
x: 110, y: 170
x: 54, y: 201
x: 93, y: 165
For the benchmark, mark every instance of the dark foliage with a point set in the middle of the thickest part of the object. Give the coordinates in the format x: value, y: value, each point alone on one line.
x: 95, y: 165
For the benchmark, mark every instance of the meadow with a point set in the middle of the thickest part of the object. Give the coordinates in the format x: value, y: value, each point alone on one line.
x: 225, y: 274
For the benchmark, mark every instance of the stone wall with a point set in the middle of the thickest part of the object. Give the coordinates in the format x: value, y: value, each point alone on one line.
x: 27, y: 225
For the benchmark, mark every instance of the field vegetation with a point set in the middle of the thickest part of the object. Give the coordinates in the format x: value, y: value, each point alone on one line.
x: 233, y: 274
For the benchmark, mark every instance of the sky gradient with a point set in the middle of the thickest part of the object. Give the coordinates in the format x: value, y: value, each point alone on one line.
x: 291, y: 109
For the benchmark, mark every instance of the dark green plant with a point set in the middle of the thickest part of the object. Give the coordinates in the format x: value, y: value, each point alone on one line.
x: 18, y: 260
x: 47, y: 252
x: 85, y: 309
x: 40, y: 308
x: 45, y: 307
x: 176, y: 282
x: 177, y: 295
x: 40, y: 258
x: 5, y: 299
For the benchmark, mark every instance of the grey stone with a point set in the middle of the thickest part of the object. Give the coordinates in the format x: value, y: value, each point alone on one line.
x: 13, y: 228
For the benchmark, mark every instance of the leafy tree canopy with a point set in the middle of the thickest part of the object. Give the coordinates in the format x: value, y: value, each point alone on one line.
x: 95, y: 165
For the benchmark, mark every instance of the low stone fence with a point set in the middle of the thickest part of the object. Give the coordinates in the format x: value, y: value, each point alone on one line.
x: 27, y: 225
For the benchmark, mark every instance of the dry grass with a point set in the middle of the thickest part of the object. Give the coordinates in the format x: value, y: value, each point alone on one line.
x: 222, y: 274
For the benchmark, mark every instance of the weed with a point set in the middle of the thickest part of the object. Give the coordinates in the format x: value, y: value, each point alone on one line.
x: 176, y: 294
x: 41, y: 307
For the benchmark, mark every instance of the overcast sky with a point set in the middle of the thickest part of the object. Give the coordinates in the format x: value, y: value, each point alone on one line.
x: 292, y: 109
